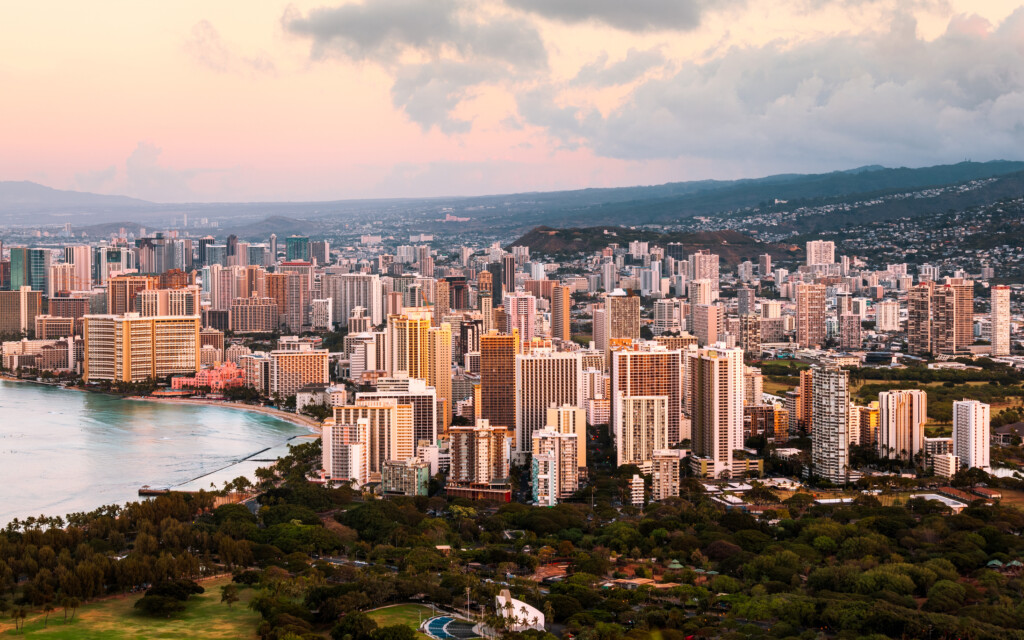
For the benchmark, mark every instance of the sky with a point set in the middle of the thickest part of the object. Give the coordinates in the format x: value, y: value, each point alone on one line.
x: 235, y: 100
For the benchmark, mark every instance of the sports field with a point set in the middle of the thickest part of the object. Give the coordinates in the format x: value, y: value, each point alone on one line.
x: 407, y: 614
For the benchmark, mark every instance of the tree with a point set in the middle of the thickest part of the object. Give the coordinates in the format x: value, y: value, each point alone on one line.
x: 160, y: 606
x: 229, y: 594
x: 355, y: 625
x: 47, y: 608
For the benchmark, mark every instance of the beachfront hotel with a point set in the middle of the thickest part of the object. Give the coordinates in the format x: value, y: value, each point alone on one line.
x: 132, y: 348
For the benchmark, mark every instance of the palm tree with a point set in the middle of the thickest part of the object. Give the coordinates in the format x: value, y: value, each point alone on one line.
x: 510, y: 610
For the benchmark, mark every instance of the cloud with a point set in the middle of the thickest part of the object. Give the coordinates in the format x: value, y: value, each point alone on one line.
x: 438, y: 51
x: 146, y: 178
x: 891, y: 98
x: 631, y: 15
x: 96, y: 181
x: 601, y: 73
x: 206, y: 46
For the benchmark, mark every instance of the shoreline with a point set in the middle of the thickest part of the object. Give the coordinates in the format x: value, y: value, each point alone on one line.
x: 286, y: 416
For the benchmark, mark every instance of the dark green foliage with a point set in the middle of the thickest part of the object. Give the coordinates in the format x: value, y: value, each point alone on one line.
x: 159, y: 606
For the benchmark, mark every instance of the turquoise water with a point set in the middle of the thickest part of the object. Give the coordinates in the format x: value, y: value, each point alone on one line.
x: 63, y: 451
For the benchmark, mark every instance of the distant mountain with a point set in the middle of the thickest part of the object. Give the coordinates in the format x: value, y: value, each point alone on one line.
x: 733, y: 246
x: 672, y: 202
x: 26, y: 195
x: 509, y: 215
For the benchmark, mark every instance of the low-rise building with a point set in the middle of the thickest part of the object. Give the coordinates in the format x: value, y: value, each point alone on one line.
x: 409, y: 477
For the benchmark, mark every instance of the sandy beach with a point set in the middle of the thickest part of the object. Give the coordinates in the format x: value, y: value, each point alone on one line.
x: 287, y: 416
x: 303, y: 421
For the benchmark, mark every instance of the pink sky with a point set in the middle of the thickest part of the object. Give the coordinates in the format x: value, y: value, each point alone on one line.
x: 235, y: 100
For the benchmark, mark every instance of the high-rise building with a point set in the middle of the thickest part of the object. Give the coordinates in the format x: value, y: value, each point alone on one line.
x: 19, y: 309
x: 498, y: 378
x: 351, y: 290
x: 320, y: 252
x: 849, y: 331
x: 821, y: 252
x: 667, y: 316
x: 554, y: 468
x: 708, y: 323
x: 561, y: 303
x: 715, y: 389
x: 321, y: 317
x: 479, y: 462
x: 254, y: 315
x: 61, y: 280
x: 439, y: 367
x: 1000, y: 318
x: 521, y: 314
x: 51, y: 327
x: 868, y: 422
x: 508, y: 273
x: 442, y: 300
x: 971, y: 433
x: 830, y: 443
x: 497, y: 282
x: 415, y: 393
x: 666, y: 471
x: 703, y: 265
x: 810, y: 315
x: 887, y: 316
x: 640, y: 428
x: 132, y: 348
x: 653, y: 372
x: 569, y: 419
x: 80, y: 257
x: 901, y: 417
x: 408, y: 335
x: 297, y: 249
x: 940, y: 318
x: 486, y: 300
x: 389, y: 434
x: 806, y: 402
x: 346, y: 451
x: 750, y: 336
x: 621, y: 317
x: 298, y: 287
x: 745, y: 301
x: 30, y: 268
x: 168, y: 302
x: 952, y: 317
x: 919, y: 319
x: 291, y: 370
x: 543, y: 378
x: 764, y: 265
x: 699, y: 292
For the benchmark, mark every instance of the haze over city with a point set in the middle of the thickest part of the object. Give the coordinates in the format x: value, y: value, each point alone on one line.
x: 243, y: 101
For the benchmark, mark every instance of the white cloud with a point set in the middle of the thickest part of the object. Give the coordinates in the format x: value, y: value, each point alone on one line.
x: 890, y: 98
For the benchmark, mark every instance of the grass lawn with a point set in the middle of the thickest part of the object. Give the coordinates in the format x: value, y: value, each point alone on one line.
x: 777, y: 388
x: 115, y: 619
x: 1013, y: 498
x: 407, y: 614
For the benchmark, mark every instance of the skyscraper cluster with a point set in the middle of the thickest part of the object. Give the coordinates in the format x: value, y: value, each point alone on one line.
x: 470, y: 362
